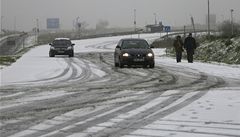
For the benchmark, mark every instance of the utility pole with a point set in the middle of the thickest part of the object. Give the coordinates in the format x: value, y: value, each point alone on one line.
x: 193, y: 24
x: 208, y: 19
x: 184, y: 31
x: 232, y: 21
x: 78, y: 23
x: 73, y: 23
x: 37, y: 30
x: 155, y: 18
x: 2, y: 24
x: 135, y: 20
x: 15, y: 24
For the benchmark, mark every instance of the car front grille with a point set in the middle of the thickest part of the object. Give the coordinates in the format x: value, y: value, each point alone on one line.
x: 61, y: 48
x: 139, y: 55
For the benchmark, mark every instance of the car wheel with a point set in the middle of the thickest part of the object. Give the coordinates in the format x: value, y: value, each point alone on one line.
x: 71, y: 54
x: 51, y: 54
x: 121, y: 65
x: 152, y: 65
x: 116, y: 64
x: 145, y: 66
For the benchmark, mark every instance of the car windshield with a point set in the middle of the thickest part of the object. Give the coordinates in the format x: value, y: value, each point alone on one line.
x: 135, y: 44
x: 62, y: 42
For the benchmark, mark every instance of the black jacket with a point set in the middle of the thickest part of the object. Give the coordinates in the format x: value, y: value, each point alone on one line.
x: 190, y: 44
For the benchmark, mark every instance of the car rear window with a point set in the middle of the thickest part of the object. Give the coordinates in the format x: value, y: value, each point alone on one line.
x: 61, y: 42
x: 135, y: 44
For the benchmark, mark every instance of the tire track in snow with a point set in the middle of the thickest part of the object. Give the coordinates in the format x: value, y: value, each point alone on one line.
x: 140, y: 80
x: 135, y: 107
x: 145, y: 119
x: 127, y: 74
x: 204, y: 77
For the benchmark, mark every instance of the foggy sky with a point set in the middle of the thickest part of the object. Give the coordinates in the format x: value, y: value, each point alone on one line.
x: 119, y: 13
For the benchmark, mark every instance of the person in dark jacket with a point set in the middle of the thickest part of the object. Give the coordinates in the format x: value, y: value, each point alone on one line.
x: 178, y: 46
x: 190, y: 46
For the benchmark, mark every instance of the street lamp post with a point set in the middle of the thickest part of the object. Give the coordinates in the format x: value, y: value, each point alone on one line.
x: 232, y: 21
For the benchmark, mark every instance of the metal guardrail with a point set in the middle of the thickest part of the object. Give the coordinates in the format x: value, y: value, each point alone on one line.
x: 11, y: 43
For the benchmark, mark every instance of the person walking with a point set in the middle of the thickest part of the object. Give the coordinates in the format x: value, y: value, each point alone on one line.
x: 178, y: 45
x: 190, y: 46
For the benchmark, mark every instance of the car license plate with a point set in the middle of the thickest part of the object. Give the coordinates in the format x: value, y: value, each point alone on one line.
x: 60, y: 51
x: 138, y: 60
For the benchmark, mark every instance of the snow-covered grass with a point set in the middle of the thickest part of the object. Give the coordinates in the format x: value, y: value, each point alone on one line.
x: 221, y: 50
x: 7, y: 60
x: 29, y: 42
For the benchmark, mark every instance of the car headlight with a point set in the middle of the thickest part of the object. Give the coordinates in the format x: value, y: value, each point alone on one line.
x: 125, y: 55
x: 52, y: 48
x: 150, y: 55
x: 69, y: 48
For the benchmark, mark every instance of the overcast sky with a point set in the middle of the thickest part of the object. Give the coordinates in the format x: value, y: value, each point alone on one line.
x: 119, y: 13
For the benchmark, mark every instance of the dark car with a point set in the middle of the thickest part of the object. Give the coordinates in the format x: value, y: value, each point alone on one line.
x: 133, y: 52
x: 61, y: 46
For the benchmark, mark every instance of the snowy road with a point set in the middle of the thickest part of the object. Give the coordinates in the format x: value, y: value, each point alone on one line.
x: 87, y: 96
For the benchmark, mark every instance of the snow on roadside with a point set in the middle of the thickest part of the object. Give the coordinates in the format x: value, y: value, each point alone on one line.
x: 34, y: 65
x: 215, y: 114
x: 30, y: 41
x: 221, y: 70
x: 210, y: 108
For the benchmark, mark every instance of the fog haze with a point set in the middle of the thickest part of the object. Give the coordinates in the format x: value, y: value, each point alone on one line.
x: 119, y: 13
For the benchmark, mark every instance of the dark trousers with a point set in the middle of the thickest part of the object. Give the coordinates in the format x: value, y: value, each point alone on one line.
x: 178, y: 56
x: 190, y: 56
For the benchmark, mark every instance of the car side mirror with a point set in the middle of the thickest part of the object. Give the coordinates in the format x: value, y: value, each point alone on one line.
x: 152, y: 47
x: 118, y: 47
x: 50, y: 44
x: 73, y: 44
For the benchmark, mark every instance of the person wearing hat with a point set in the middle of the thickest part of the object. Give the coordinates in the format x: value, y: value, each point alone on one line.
x: 178, y: 46
x: 190, y: 46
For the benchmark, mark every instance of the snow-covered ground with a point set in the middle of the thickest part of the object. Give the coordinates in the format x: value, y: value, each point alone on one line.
x: 36, y: 65
x: 215, y: 114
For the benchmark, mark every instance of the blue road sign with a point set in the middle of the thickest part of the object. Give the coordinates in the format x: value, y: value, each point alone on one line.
x: 167, y: 28
x: 53, y: 23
